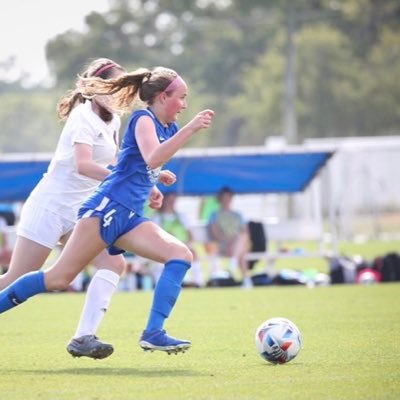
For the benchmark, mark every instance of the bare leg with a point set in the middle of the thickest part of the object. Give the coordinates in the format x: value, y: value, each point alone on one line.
x: 150, y: 241
x: 27, y: 256
x: 83, y: 246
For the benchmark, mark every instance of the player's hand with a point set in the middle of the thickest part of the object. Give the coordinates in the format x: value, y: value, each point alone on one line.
x: 202, y: 120
x: 167, y: 177
x: 156, y: 198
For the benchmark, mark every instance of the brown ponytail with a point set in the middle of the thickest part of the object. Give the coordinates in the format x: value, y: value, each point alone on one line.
x: 102, y: 68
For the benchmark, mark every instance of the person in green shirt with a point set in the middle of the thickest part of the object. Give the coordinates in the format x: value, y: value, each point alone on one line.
x: 208, y: 205
x: 175, y: 223
x: 229, y: 234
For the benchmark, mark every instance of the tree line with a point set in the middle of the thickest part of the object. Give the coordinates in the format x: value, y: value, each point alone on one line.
x: 303, y: 69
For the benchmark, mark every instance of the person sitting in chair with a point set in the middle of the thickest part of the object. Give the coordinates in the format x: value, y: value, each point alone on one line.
x: 229, y: 234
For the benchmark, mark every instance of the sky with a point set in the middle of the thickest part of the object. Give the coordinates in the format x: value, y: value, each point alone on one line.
x: 27, y: 25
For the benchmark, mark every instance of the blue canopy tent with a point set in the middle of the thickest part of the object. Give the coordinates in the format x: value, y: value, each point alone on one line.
x: 202, y: 172
x: 244, y: 171
x: 18, y: 178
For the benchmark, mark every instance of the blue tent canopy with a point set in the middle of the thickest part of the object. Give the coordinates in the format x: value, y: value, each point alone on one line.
x: 258, y: 172
x: 18, y: 178
x: 250, y: 173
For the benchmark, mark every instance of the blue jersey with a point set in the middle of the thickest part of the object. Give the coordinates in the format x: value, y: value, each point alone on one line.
x: 132, y: 180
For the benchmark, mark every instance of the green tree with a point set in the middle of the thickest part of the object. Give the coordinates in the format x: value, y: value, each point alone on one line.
x: 28, y: 122
x: 234, y: 56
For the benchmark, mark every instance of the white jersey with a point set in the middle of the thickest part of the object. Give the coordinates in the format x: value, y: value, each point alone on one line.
x: 62, y: 189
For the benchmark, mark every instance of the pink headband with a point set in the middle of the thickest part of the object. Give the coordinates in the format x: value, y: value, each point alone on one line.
x: 104, y: 68
x: 174, y: 84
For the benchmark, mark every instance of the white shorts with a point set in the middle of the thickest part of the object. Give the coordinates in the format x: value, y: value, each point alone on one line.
x: 41, y: 225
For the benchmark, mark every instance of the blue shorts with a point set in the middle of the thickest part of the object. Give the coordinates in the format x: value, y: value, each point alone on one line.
x: 115, y: 219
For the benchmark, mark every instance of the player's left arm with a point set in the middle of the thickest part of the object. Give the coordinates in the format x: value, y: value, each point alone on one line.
x: 86, y: 165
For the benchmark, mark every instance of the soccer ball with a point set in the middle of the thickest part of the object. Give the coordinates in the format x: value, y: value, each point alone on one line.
x: 278, y: 340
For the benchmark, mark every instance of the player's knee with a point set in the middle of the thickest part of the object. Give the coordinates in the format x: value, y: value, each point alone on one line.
x: 118, y: 266
x: 185, y: 254
x: 181, y: 252
x: 58, y: 283
x: 122, y: 266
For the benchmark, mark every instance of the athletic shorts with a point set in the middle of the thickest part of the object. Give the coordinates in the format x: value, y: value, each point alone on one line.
x: 42, y: 225
x: 115, y: 219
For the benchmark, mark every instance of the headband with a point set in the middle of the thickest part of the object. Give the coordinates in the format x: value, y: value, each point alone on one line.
x: 104, y: 68
x: 174, y: 84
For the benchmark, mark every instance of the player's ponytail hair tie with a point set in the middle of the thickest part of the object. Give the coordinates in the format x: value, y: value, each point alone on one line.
x: 147, y: 76
x: 80, y: 89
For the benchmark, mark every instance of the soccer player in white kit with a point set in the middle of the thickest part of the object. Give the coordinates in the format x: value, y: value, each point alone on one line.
x: 87, y: 146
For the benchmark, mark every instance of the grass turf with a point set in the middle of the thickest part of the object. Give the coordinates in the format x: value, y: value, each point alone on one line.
x: 351, y: 347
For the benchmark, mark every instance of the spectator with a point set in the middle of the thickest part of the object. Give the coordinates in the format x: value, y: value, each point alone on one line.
x: 229, y: 234
x: 7, y: 212
x: 177, y: 225
x: 208, y: 206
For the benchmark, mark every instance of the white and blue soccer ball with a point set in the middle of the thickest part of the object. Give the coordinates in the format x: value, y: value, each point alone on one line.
x: 278, y: 340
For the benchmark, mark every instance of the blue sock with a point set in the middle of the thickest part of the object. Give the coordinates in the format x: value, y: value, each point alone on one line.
x: 166, y: 292
x: 19, y: 291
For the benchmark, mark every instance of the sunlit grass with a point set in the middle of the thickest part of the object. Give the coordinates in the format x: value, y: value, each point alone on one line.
x: 351, y: 347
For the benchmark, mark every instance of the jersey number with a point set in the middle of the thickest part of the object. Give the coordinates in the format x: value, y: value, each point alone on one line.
x: 108, y: 218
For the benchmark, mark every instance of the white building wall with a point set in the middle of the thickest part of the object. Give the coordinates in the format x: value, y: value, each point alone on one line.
x: 361, y: 180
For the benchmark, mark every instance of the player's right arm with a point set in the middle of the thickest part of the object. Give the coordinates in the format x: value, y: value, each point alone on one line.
x: 155, y: 153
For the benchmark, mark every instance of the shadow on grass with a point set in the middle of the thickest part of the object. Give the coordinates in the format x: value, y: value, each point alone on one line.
x: 267, y: 364
x: 159, y: 373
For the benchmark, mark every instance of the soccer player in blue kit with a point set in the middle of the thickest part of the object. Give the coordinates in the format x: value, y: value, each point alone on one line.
x: 112, y: 217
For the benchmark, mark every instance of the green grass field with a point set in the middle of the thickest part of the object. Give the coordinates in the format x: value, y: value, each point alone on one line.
x: 350, y: 333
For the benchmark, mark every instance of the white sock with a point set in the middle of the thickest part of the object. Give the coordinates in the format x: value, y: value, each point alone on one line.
x: 98, y: 297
